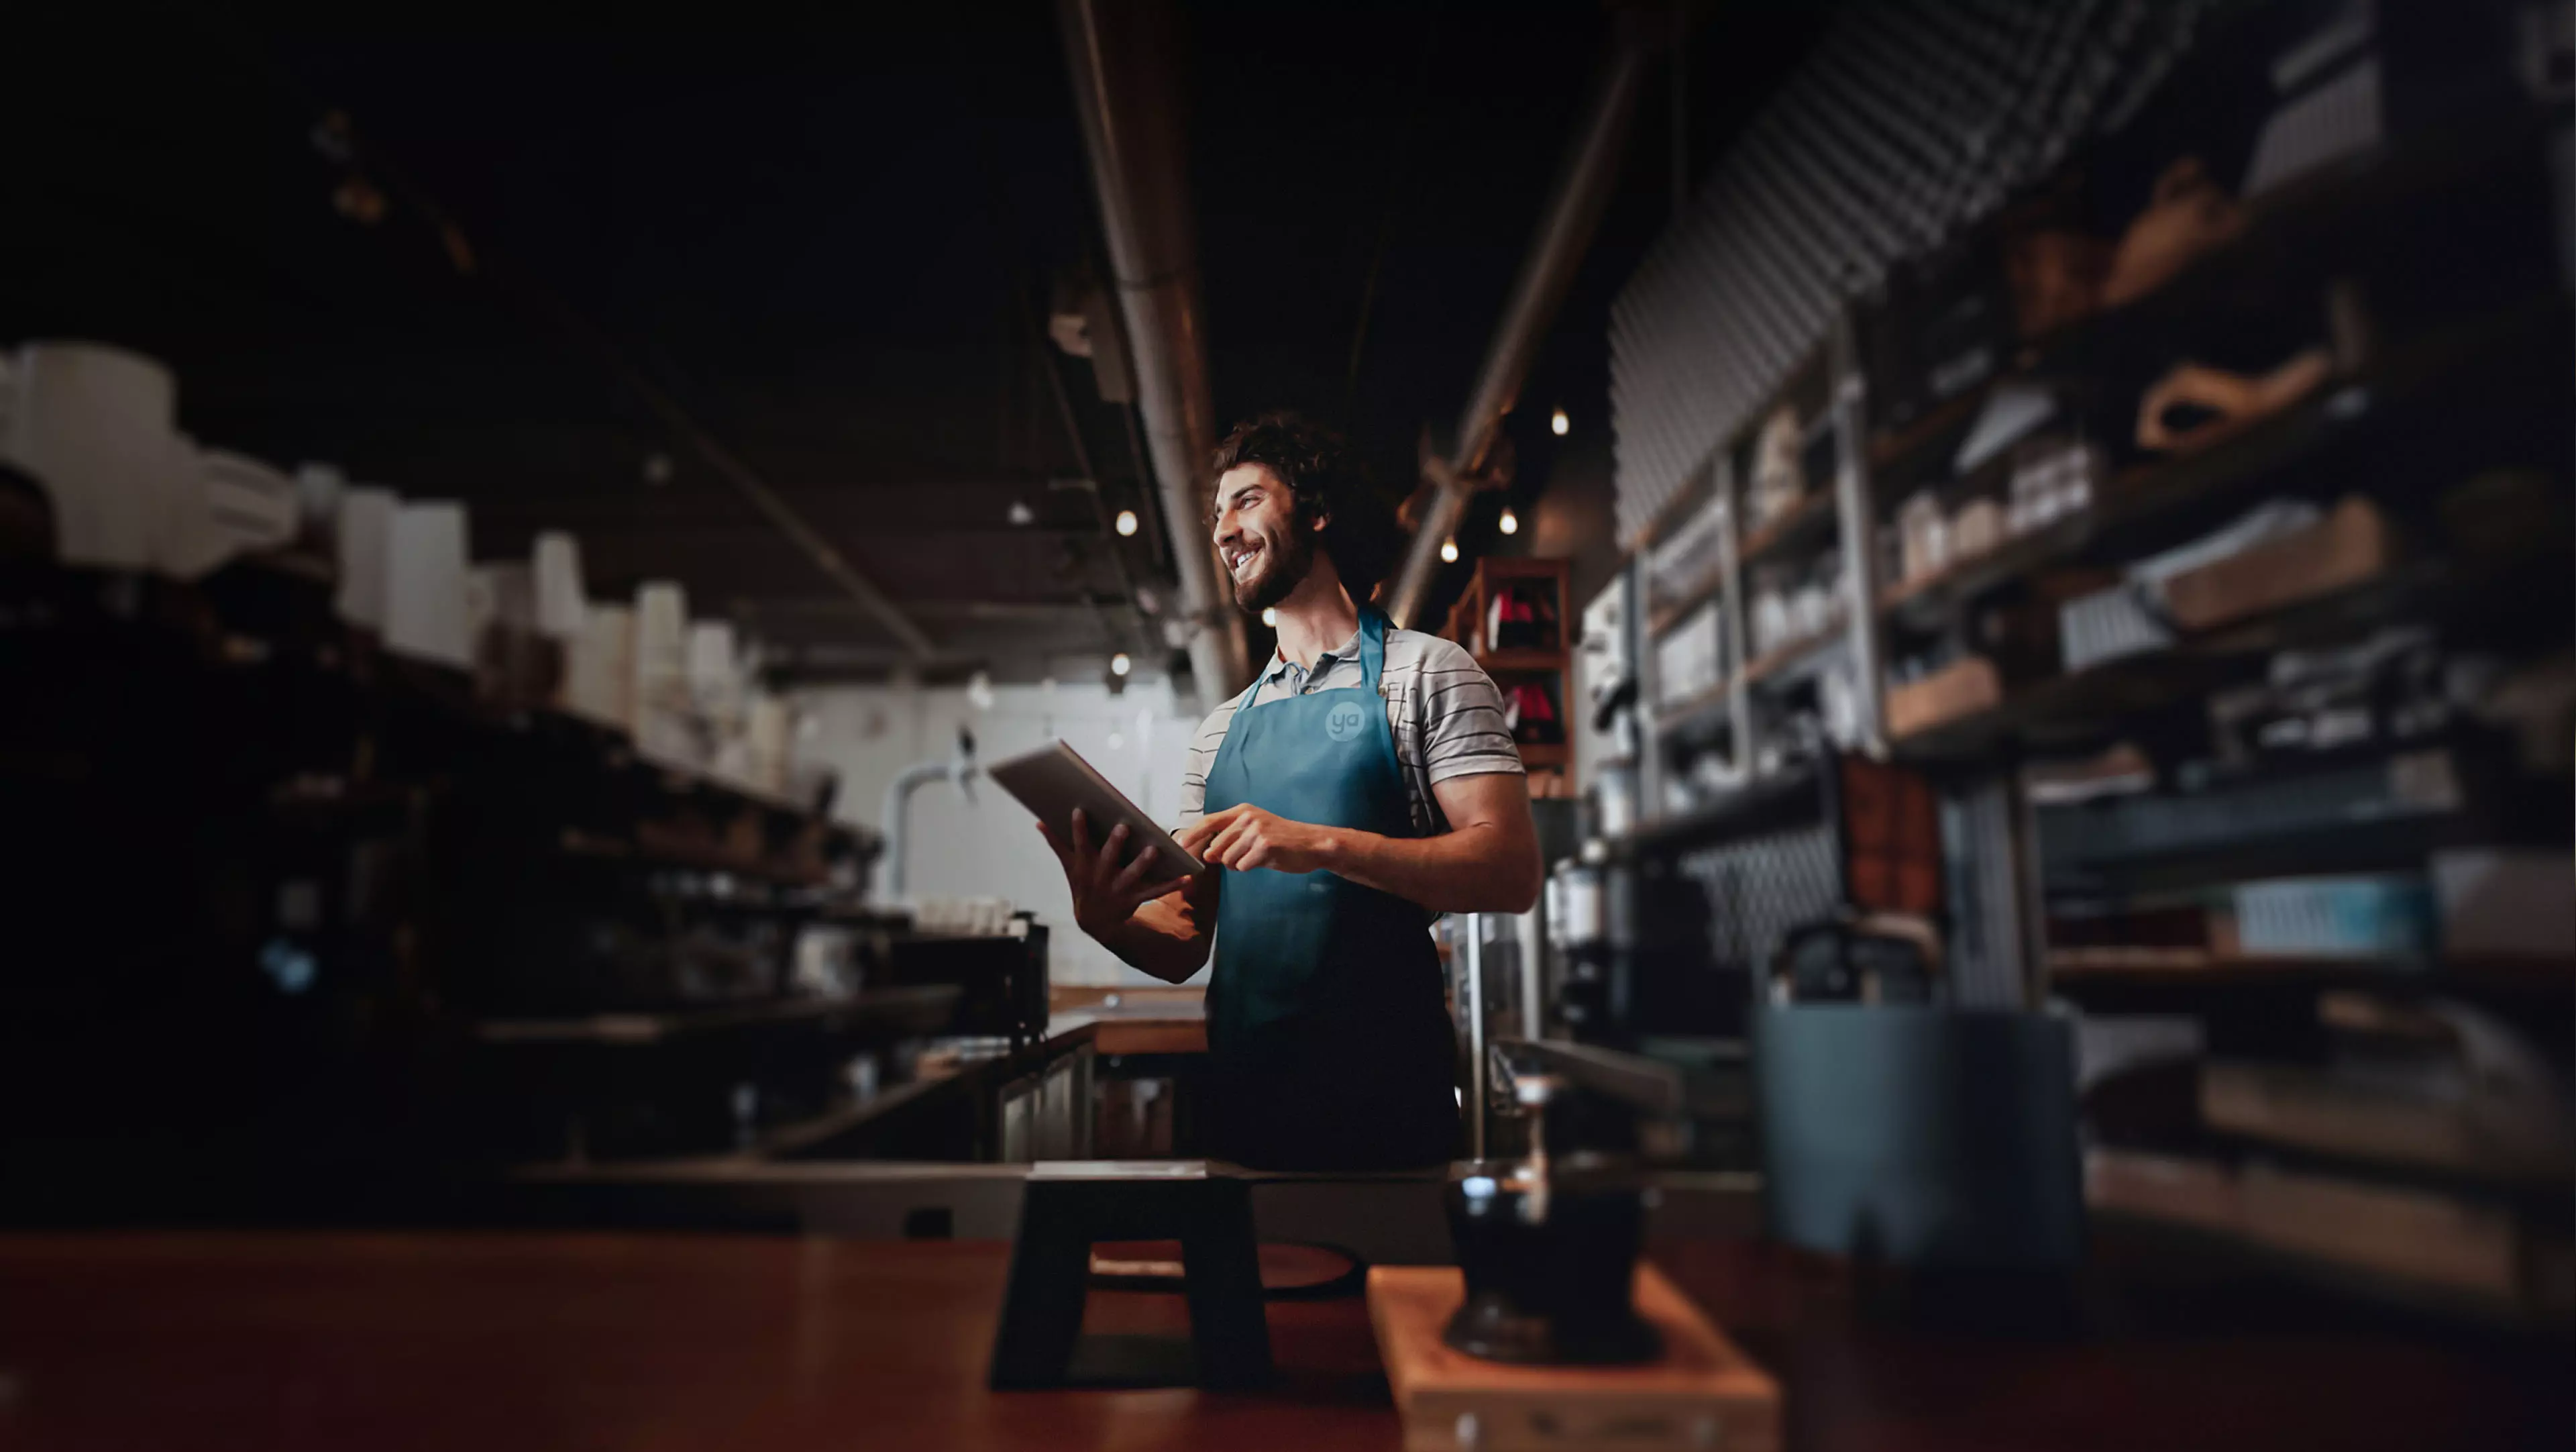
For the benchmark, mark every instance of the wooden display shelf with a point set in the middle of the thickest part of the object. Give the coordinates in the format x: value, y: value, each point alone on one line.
x: 2184, y: 964
x: 1519, y: 664
x: 1465, y: 624
x: 2402, y: 1243
x: 2328, y: 1117
x: 2276, y: 234
x: 2166, y: 981
x: 2061, y: 709
x: 2341, y: 409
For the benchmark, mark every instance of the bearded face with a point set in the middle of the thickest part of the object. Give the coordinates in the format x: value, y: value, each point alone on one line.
x: 1267, y: 547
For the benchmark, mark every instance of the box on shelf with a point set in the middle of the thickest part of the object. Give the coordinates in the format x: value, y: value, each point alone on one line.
x: 2349, y: 546
x: 2338, y: 917
x: 2420, y: 1237
x: 1962, y: 688
x: 2423, y: 1236
x: 2109, y: 625
x: 2506, y: 903
x: 2176, y: 1188
x: 2369, y: 1119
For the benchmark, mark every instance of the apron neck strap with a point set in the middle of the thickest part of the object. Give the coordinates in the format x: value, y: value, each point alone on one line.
x: 1373, y: 626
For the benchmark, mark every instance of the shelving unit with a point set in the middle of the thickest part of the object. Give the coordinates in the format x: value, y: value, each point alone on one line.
x: 1548, y: 664
x: 1734, y: 714
x: 2424, y: 268
x: 394, y: 896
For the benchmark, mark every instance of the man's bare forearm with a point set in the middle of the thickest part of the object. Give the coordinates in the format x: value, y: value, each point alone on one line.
x: 1160, y: 940
x: 1476, y: 868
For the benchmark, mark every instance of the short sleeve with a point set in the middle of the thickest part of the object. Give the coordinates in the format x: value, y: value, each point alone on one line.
x: 1463, y: 729
x: 1202, y: 755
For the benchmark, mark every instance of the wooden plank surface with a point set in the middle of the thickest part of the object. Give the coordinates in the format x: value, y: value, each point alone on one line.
x: 1151, y: 1036
x: 1701, y: 1392
x: 504, y: 1340
x: 507, y: 1341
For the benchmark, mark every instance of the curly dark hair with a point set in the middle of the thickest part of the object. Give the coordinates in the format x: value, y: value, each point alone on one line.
x: 1328, y: 478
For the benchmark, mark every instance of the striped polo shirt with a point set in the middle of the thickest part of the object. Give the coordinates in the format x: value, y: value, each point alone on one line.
x: 1447, y: 714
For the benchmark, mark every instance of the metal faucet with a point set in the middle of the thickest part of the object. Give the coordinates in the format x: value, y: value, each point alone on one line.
x: 958, y: 767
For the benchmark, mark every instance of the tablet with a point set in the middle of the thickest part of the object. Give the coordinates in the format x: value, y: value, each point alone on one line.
x: 1052, y: 780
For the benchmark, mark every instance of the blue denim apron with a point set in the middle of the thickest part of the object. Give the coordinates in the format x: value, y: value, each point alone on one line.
x: 1329, y: 1039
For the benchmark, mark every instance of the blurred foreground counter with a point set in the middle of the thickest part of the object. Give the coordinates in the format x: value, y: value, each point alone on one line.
x: 509, y: 1340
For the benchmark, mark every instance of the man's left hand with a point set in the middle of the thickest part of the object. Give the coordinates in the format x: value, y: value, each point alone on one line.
x: 1245, y: 837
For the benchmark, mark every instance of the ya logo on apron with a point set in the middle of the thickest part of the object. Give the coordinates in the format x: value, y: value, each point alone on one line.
x: 1345, y: 720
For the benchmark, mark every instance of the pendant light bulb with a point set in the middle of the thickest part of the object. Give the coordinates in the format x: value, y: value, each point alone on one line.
x: 1126, y: 522
x: 1559, y: 423
x: 1449, y: 550
x: 1120, y: 665
x: 1270, y: 616
x: 1510, y: 523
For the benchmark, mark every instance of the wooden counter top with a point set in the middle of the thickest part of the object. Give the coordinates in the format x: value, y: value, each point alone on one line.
x: 506, y: 1340
x: 510, y: 1340
x: 1140, y: 1021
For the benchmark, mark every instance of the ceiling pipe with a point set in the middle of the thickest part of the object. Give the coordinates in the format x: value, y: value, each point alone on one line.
x: 1125, y: 92
x: 1583, y: 185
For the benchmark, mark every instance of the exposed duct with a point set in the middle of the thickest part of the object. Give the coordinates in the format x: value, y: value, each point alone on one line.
x: 1125, y: 92
x: 1564, y: 233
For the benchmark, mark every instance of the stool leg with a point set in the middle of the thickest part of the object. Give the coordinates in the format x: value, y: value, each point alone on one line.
x: 1221, y: 1273
x: 1042, y: 1310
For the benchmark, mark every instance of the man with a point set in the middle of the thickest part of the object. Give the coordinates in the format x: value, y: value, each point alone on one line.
x: 1365, y: 784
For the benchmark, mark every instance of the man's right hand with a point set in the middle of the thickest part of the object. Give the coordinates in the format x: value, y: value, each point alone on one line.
x: 1106, y: 895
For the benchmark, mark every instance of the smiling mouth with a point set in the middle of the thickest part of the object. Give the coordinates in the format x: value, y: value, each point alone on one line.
x: 1240, y: 558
